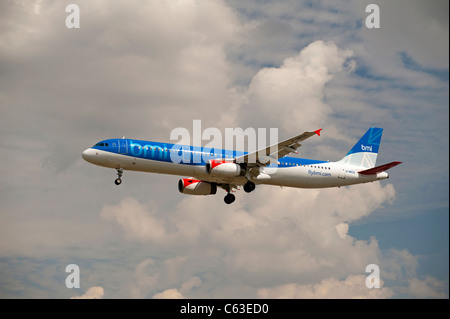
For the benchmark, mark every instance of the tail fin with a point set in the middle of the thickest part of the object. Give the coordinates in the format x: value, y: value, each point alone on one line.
x: 364, y: 153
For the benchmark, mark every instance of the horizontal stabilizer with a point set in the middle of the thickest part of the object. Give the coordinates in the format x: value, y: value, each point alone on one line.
x: 379, y: 169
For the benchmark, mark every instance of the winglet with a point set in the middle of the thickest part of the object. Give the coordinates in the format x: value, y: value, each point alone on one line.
x: 318, y: 131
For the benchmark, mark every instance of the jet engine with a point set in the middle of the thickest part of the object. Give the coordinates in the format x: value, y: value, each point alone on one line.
x: 221, y: 168
x: 196, y: 187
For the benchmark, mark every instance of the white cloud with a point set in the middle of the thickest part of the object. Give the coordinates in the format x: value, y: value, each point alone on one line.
x: 410, y: 26
x: 155, y: 58
x: 291, y: 96
x: 175, y: 293
x: 135, y: 219
x: 92, y: 293
x: 430, y: 287
x: 146, y: 278
x: 399, y: 264
x: 260, y: 240
x: 342, y: 229
x: 352, y: 287
x: 298, y: 239
x: 169, y: 294
x: 191, y: 283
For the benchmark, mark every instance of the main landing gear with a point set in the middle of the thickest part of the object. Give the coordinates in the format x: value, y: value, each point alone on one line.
x: 249, y: 187
x: 118, y: 181
x: 229, y: 198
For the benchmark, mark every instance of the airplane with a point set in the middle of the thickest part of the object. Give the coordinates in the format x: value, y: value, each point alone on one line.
x: 211, y: 168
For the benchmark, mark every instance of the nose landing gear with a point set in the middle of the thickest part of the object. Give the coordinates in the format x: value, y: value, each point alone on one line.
x: 118, y: 181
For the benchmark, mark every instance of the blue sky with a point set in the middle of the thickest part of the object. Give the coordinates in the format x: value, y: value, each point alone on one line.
x: 140, y: 69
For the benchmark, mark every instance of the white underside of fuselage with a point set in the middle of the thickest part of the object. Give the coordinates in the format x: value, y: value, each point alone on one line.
x: 322, y: 175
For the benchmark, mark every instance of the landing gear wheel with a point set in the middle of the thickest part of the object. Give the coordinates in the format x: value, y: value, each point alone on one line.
x: 229, y: 198
x: 118, y: 181
x: 249, y: 187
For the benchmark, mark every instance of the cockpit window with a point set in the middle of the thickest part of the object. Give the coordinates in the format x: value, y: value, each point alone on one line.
x: 101, y: 144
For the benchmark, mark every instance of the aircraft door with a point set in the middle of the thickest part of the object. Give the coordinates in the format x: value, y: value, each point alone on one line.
x: 123, y: 146
x: 341, y: 172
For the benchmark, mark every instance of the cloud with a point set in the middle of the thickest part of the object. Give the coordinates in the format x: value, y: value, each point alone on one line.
x: 351, y: 287
x: 430, y: 287
x: 272, y: 247
x: 191, y: 283
x: 262, y: 240
x: 342, y: 229
x: 154, y: 276
x: 154, y: 58
x: 146, y: 278
x: 135, y: 219
x: 169, y: 294
x: 292, y: 95
x: 92, y: 293
x: 408, y: 26
x: 175, y: 293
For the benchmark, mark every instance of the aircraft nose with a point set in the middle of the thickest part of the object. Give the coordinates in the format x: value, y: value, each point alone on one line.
x: 88, y: 154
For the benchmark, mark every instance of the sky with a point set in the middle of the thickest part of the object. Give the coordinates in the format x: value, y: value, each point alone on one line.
x: 143, y: 68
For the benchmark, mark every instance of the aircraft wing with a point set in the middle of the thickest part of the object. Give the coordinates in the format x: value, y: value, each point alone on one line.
x: 264, y: 157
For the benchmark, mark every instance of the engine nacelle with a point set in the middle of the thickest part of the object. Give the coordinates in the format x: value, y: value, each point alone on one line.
x: 223, y: 168
x: 196, y: 187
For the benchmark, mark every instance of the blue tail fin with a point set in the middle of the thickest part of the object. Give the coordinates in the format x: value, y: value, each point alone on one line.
x: 364, y: 153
